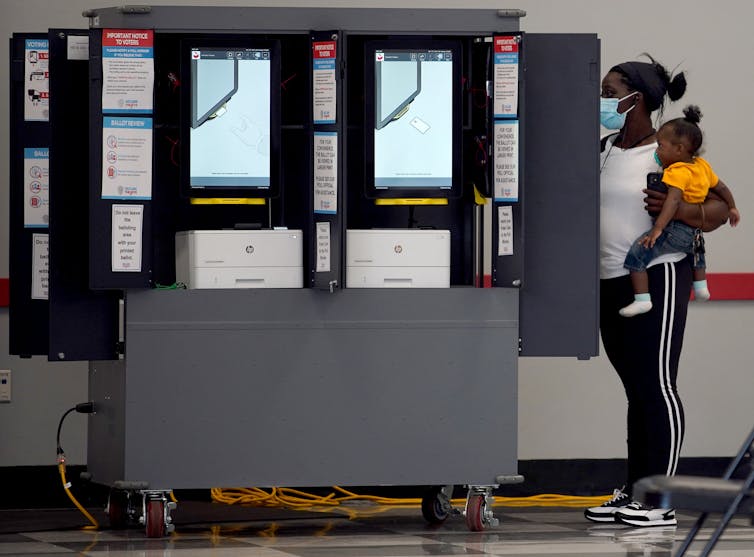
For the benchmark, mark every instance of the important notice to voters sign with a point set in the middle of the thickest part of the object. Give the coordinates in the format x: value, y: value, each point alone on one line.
x: 127, y: 70
x: 323, y: 77
x: 505, y: 104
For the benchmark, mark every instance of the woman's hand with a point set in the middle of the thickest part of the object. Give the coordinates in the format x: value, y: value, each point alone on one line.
x: 708, y: 216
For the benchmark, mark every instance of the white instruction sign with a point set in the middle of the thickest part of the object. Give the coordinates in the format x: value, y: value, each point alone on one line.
x: 505, y: 230
x: 127, y: 237
x: 127, y: 70
x: 505, y: 103
x: 126, y: 157
x: 323, y: 247
x: 77, y: 47
x: 40, y: 267
x: 323, y: 78
x: 37, y: 80
x: 506, y: 160
x: 36, y: 187
x: 326, y: 172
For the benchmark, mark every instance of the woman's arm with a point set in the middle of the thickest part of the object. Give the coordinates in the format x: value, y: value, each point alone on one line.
x: 713, y: 212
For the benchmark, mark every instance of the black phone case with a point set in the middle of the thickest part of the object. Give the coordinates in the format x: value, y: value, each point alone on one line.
x: 654, y: 182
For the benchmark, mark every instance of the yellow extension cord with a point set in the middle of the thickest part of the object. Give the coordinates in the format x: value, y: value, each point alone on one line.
x: 67, y: 487
x: 293, y: 498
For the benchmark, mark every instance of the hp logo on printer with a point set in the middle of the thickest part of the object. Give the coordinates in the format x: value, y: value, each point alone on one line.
x: 249, y: 249
x: 398, y: 248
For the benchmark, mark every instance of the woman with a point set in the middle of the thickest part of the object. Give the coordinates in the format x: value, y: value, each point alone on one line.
x: 645, y: 349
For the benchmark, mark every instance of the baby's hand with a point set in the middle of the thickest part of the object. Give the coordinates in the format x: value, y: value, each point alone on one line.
x: 735, y: 217
x: 649, y: 240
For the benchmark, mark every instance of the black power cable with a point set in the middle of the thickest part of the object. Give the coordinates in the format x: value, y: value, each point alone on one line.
x: 83, y: 408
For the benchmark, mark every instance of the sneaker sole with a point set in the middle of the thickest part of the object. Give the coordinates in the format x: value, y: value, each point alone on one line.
x: 600, y: 518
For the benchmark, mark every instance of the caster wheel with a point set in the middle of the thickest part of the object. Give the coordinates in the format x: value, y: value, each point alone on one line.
x: 475, y: 508
x: 434, y: 506
x: 117, y: 509
x: 155, y: 518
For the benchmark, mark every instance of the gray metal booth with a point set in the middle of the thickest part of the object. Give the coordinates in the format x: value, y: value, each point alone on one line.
x: 322, y: 385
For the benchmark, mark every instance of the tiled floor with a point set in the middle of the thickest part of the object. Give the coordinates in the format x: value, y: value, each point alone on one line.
x: 393, y: 532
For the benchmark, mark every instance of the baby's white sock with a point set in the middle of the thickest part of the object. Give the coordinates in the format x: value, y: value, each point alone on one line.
x: 642, y: 304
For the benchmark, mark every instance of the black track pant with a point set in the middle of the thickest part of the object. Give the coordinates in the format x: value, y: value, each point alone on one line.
x: 645, y: 350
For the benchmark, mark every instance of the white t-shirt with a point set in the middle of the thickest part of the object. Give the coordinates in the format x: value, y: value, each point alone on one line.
x: 623, y: 218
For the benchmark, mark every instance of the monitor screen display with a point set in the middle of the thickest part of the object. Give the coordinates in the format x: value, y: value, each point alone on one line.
x: 232, y: 125
x: 413, y: 142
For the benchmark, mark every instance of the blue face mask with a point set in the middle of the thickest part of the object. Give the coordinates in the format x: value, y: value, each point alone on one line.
x: 610, y: 118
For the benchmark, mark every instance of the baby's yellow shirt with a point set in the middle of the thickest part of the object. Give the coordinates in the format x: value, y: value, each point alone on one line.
x: 693, y: 178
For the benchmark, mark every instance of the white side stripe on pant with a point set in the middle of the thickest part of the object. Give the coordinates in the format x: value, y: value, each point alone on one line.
x: 666, y: 340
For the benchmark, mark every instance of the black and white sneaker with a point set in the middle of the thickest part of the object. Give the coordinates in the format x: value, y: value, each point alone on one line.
x: 606, y: 511
x: 638, y: 514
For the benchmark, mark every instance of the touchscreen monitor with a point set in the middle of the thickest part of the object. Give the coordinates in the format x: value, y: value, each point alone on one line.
x: 231, y: 126
x: 414, y: 120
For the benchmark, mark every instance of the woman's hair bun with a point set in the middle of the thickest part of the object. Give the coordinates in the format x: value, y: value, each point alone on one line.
x: 692, y: 114
x: 677, y: 87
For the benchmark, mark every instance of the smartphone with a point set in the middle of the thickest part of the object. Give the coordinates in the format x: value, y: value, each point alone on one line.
x: 654, y: 182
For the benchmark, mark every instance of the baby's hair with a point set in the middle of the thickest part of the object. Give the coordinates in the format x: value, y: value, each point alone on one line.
x: 687, y: 128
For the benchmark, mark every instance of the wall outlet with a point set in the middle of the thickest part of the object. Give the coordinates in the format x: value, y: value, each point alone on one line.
x: 5, y: 385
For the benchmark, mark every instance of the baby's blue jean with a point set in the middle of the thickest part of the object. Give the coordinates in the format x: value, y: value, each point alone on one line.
x: 677, y: 237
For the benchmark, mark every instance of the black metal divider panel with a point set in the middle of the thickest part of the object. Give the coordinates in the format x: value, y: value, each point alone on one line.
x: 561, y: 196
x: 83, y: 322
x: 28, y: 209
